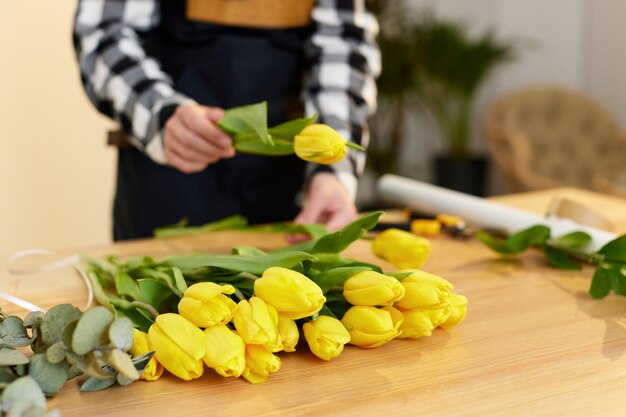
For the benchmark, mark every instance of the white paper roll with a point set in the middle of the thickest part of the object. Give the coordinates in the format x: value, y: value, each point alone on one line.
x: 479, y: 212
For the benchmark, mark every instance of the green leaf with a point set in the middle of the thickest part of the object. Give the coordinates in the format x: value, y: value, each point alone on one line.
x: 121, y: 333
x: 615, y: 250
x: 11, y: 357
x: 325, y: 311
x: 55, y: 321
x: 94, y: 384
x: 559, y: 259
x: 125, y: 285
x: 327, y: 261
x: 574, y: 240
x: 140, y: 319
x: 122, y: 363
x: 517, y: 242
x: 600, y: 283
x: 179, y: 280
x: 252, y: 264
x: 91, y: 330
x: 181, y: 229
x: 56, y: 352
x: 247, y: 251
x: 338, y: 241
x: 49, y: 376
x: 98, y: 290
x: 153, y: 292
x: 335, y: 277
x: 278, y: 147
x: 24, y: 389
x: 618, y: 280
x: 398, y: 275
x: 13, y: 332
x: 247, y: 119
x: 292, y: 128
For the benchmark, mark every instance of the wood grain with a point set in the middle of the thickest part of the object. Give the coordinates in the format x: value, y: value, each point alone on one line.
x: 534, y: 344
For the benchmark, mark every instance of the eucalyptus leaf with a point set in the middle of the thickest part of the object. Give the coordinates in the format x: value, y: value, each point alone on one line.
x: 77, y: 361
x: 33, y: 319
x: 68, y: 334
x: 13, y: 332
x: 55, y: 321
x: 74, y: 372
x: 94, y: 384
x: 600, y: 283
x: 335, y: 277
x: 124, y: 380
x: 56, y: 352
x: 122, y: 363
x: 247, y: 119
x: 6, y: 376
x: 615, y: 250
x: 96, y: 369
x: 290, y: 129
x: 574, y: 240
x: 49, y: 376
x: 24, y: 389
x: 11, y: 357
x: 91, y: 330
x: 121, y: 333
x: 559, y: 259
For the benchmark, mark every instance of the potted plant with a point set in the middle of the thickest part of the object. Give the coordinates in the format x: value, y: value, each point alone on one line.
x: 453, y: 68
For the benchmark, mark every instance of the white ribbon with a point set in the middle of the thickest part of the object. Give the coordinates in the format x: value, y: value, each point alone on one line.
x: 72, y: 260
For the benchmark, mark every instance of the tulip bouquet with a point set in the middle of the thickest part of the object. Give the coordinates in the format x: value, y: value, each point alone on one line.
x: 316, y: 143
x: 234, y: 313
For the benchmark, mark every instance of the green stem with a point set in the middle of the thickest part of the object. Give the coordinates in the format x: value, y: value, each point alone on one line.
x: 335, y: 288
x: 147, y: 307
x: 355, y: 146
x: 239, y: 294
x: 248, y: 275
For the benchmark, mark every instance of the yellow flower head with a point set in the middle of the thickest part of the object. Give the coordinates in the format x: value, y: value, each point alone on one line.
x: 179, y: 345
x: 225, y: 351
x: 423, y: 290
x: 458, y: 311
x: 288, y: 333
x: 421, y: 322
x: 260, y: 363
x: 292, y: 294
x: 205, y: 305
x: 370, y: 288
x: 402, y: 249
x: 256, y: 323
x: 320, y: 144
x: 326, y: 337
x: 371, y: 327
x: 154, y: 369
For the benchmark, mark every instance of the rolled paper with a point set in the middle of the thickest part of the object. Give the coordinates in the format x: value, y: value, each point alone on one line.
x: 479, y: 212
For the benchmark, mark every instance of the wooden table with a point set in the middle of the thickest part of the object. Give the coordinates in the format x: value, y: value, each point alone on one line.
x: 534, y: 344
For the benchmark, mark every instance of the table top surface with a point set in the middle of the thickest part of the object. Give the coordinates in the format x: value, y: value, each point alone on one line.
x: 534, y: 343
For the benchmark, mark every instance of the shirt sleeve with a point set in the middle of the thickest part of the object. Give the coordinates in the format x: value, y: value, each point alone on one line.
x: 344, y: 62
x: 119, y: 78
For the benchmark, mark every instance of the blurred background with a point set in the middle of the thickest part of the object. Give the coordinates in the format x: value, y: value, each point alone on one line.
x: 504, y: 95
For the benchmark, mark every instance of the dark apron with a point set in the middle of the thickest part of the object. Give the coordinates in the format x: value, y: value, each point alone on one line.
x: 225, y: 67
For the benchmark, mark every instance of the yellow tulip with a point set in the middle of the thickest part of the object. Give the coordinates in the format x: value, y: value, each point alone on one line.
x: 371, y: 327
x: 256, y: 322
x: 205, y: 305
x: 225, y: 351
x: 423, y: 289
x: 320, y: 144
x: 458, y: 311
x: 370, y: 288
x: 288, y: 333
x: 326, y: 337
x: 402, y: 249
x: 154, y: 369
x: 260, y: 363
x: 179, y: 345
x: 421, y: 322
x: 292, y: 294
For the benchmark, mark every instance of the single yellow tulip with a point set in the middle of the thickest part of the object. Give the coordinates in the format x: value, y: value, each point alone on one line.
x: 458, y: 311
x: 423, y: 289
x: 225, y: 351
x: 179, y: 345
x: 371, y: 327
x: 421, y: 322
x: 402, y: 249
x: 256, y: 323
x: 320, y: 144
x: 292, y: 294
x: 205, y: 305
x: 370, y: 288
x: 288, y: 333
x: 260, y: 363
x: 326, y: 337
x: 154, y: 369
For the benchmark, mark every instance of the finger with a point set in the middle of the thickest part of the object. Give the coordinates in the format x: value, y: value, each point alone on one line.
x: 294, y: 238
x: 205, y: 150
x: 182, y: 164
x: 340, y: 219
x: 205, y: 128
x: 311, y: 212
x: 215, y: 114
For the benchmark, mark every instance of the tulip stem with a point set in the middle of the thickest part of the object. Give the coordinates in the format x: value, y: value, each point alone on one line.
x: 335, y: 288
x: 239, y: 294
x: 248, y: 275
x: 355, y: 146
x: 147, y: 307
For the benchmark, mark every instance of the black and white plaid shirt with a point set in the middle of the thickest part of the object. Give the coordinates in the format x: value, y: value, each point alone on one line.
x: 130, y: 87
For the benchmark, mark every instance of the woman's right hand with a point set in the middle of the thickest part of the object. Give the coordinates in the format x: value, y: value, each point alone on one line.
x: 192, y: 139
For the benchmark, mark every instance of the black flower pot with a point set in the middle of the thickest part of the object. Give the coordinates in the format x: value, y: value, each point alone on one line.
x: 465, y: 175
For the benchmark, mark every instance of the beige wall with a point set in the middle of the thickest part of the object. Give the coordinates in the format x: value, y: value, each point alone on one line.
x: 56, y: 175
